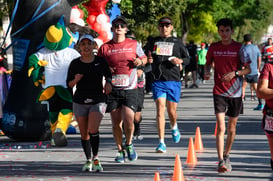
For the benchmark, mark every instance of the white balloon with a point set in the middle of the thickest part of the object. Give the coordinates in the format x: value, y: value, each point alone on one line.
x: 102, y: 19
x: 79, y: 21
x: 75, y: 13
x: 116, y: 1
x: 106, y: 26
x: 109, y: 35
x: 98, y: 41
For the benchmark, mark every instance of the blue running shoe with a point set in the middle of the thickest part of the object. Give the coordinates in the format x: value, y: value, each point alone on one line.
x: 176, y: 135
x: 120, y: 158
x: 131, y: 152
x: 161, y: 148
x: 259, y: 107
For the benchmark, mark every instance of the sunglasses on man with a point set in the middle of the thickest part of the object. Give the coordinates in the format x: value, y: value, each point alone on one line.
x: 117, y: 25
x: 166, y: 25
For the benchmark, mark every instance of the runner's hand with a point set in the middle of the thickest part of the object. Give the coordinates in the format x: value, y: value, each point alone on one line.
x: 137, y: 62
x: 107, y: 88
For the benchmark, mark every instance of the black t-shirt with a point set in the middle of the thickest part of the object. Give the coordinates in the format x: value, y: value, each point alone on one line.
x: 89, y: 90
x: 162, y: 49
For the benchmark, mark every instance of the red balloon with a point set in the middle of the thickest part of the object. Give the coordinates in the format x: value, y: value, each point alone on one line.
x: 103, y: 35
x: 81, y: 14
x: 95, y: 6
x: 91, y: 19
x: 97, y: 27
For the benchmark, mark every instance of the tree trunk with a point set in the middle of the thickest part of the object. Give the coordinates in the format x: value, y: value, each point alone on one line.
x: 185, y: 27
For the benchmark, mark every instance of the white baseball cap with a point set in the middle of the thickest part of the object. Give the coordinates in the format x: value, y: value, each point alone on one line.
x: 86, y: 36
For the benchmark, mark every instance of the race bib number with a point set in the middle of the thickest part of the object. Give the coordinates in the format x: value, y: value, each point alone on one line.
x: 164, y: 48
x: 268, y: 126
x: 120, y: 80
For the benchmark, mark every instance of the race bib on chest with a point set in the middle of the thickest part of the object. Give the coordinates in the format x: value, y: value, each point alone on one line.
x: 268, y: 126
x: 164, y: 48
x: 120, y: 80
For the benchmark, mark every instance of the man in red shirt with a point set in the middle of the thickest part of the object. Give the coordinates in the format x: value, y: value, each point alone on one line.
x: 227, y: 91
x: 123, y: 55
x: 267, y: 51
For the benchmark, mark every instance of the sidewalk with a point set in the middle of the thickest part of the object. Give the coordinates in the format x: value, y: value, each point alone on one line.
x: 250, y: 155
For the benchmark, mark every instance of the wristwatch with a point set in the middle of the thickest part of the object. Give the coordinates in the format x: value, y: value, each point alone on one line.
x: 236, y: 73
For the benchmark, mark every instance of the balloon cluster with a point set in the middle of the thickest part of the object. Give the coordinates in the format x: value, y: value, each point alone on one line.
x: 77, y: 16
x: 98, y: 20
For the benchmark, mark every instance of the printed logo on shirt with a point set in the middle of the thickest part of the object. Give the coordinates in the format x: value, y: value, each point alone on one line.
x: 164, y: 48
x: 120, y: 50
x: 226, y: 53
x: 88, y: 100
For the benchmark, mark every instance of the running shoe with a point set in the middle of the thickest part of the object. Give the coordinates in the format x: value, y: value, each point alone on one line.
x: 2, y: 133
x: 221, y: 166
x: 120, y: 158
x: 59, y: 138
x: 131, y: 152
x: 52, y: 142
x: 137, y: 135
x: 87, y: 166
x: 227, y: 163
x: 176, y: 135
x: 161, y: 148
x: 97, y: 165
x: 139, y: 138
x: 259, y: 107
x: 194, y: 86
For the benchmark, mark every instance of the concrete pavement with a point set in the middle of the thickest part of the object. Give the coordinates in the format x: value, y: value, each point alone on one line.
x: 250, y: 155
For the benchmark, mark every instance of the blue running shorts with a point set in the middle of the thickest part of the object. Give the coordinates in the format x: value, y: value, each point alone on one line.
x: 170, y: 90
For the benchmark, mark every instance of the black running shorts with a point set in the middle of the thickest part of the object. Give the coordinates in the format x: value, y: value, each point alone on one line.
x: 232, y: 106
x: 117, y: 98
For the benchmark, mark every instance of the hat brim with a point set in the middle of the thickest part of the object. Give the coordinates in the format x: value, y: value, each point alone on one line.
x: 89, y: 37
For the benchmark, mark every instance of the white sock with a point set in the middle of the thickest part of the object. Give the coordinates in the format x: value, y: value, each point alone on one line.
x: 175, y: 126
x: 161, y: 141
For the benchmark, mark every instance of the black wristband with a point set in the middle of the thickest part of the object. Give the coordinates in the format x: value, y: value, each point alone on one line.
x: 109, y: 80
x: 140, y: 68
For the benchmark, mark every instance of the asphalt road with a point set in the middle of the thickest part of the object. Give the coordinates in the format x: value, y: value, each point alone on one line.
x: 250, y: 154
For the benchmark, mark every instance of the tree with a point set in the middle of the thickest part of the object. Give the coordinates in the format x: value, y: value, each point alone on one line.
x: 196, y: 18
x: 143, y: 15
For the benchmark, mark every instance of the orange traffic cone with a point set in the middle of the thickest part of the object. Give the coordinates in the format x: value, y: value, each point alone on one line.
x: 198, y: 144
x: 157, y: 177
x: 178, y: 171
x: 215, y: 130
x: 191, y: 159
